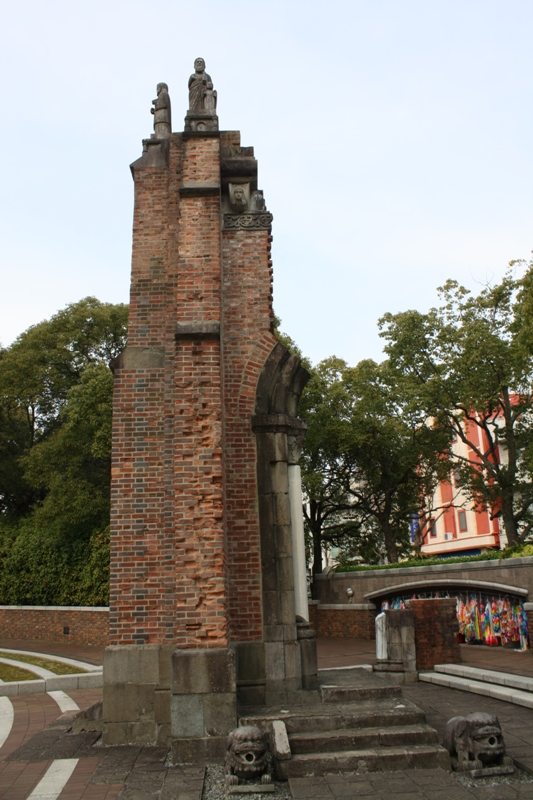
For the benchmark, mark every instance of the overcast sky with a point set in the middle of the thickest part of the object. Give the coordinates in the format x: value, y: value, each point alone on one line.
x: 394, y: 141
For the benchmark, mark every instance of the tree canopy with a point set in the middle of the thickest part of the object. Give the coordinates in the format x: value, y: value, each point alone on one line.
x: 55, y: 434
x: 469, y: 365
x: 368, y: 457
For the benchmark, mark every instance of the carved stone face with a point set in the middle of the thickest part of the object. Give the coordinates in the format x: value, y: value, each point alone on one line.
x: 161, y: 87
x: 238, y: 194
x: 199, y: 65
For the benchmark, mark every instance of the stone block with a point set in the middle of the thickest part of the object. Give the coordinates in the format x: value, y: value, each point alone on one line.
x: 128, y: 702
x: 31, y: 687
x: 286, y: 607
x: 91, y: 680
x: 9, y: 689
x: 220, y: 713
x: 143, y: 732
x: 62, y: 682
x: 165, y: 665
x: 293, y: 663
x: 198, y: 751
x: 274, y: 447
x: 116, y: 733
x: 270, y: 609
x: 283, y: 535
x: 163, y: 734
x: 279, y: 477
x: 162, y: 701
x: 274, y: 661
x: 252, y: 695
x: 249, y: 661
x: 131, y: 664
x: 187, y: 716
x: 279, y: 740
x: 203, y: 671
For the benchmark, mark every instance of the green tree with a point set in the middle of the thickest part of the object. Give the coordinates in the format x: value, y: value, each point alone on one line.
x: 55, y: 429
x: 470, y: 365
x: 369, y: 456
x: 36, y: 374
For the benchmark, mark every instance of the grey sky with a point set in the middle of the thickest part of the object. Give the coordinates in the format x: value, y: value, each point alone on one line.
x: 394, y: 145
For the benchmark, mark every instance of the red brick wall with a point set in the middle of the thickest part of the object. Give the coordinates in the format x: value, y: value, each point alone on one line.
x: 247, y: 342
x: 47, y: 623
x: 185, y: 546
x: 342, y: 623
x: 436, y: 630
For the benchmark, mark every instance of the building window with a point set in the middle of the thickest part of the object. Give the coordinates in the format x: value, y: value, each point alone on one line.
x: 457, y: 476
x: 462, y: 521
x: 432, y: 527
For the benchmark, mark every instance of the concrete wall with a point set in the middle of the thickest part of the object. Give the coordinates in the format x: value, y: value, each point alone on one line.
x: 78, y: 625
x: 513, y: 575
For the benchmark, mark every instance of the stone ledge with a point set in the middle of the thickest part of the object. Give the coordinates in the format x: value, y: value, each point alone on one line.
x: 54, y: 608
x: 200, y: 189
x: 346, y: 606
x: 187, y: 331
x: 525, y: 561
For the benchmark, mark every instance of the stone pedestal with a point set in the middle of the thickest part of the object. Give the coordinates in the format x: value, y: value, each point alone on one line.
x: 204, y: 704
x: 395, y: 642
x: 136, y: 705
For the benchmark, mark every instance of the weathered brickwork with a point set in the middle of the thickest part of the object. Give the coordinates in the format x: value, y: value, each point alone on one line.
x: 186, y: 560
x: 56, y: 624
x: 343, y: 623
x: 436, y: 630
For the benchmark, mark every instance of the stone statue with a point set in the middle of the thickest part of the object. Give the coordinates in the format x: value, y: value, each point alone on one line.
x: 198, y: 86
x: 161, y: 112
x: 475, y: 744
x: 210, y: 98
x: 247, y: 756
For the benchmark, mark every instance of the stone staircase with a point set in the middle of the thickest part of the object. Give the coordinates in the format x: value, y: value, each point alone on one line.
x: 516, y: 689
x: 359, y: 723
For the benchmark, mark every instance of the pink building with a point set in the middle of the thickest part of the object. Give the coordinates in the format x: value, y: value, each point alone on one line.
x: 453, y: 524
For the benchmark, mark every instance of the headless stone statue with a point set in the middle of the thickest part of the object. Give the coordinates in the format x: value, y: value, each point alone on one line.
x: 161, y: 112
x: 210, y: 98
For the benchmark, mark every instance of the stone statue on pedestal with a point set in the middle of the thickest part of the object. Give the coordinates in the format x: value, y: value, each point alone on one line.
x: 201, y: 115
x: 161, y: 112
x: 197, y: 86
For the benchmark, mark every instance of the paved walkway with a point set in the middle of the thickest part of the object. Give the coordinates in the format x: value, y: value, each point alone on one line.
x: 40, y: 753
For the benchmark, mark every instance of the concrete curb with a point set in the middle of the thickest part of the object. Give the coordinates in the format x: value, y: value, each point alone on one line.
x: 92, y: 680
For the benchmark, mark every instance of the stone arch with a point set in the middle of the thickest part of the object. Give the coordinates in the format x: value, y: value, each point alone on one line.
x: 446, y: 584
x: 279, y: 432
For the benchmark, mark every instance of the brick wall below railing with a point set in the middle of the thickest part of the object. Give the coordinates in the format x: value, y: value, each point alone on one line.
x: 343, y: 620
x: 436, y: 630
x: 74, y: 624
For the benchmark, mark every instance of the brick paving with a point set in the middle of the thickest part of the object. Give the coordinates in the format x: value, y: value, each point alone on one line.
x: 40, y: 735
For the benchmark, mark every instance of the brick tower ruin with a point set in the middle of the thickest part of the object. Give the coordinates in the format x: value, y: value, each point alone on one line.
x: 205, y: 445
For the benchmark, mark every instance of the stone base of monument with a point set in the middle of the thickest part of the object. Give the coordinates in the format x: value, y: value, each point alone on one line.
x: 356, y: 722
x: 204, y: 704
x: 136, y: 701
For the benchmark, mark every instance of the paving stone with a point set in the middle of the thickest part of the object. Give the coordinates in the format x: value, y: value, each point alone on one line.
x: 309, y: 788
x: 501, y: 792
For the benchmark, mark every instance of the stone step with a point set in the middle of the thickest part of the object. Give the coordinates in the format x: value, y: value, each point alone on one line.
x: 329, y: 717
x: 487, y: 676
x: 375, y: 759
x: 362, y: 738
x: 507, y: 693
x: 351, y: 694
